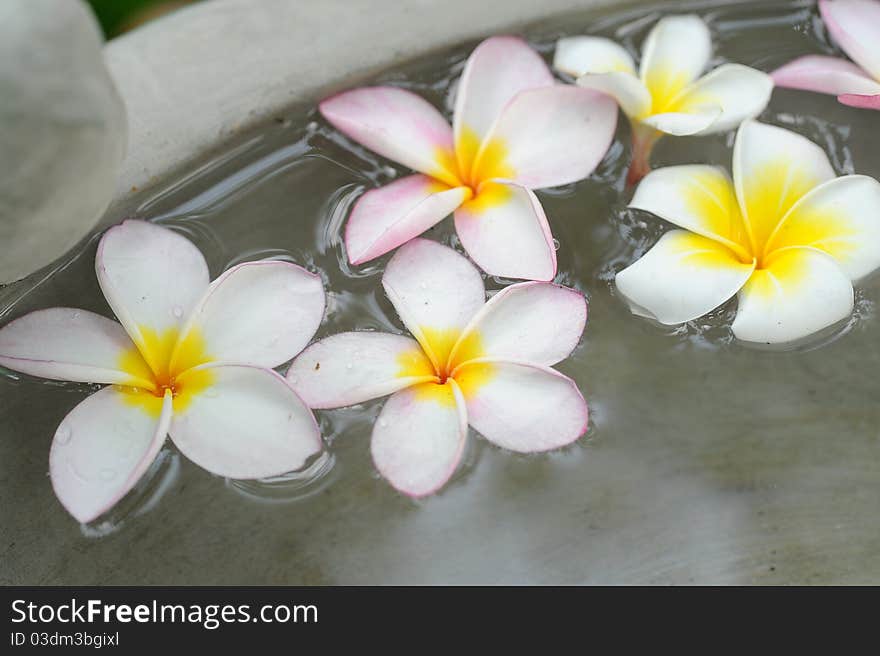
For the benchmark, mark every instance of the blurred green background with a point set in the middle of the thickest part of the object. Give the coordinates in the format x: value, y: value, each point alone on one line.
x: 118, y: 16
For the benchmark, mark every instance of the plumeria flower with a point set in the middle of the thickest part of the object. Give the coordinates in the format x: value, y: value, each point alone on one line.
x: 471, y: 362
x: 855, y: 26
x: 513, y: 130
x: 785, y: 234
x: 190, y: 359
x: 666, y: 96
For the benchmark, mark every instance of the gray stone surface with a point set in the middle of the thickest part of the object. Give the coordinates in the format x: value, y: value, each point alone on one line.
x: 62, y: 131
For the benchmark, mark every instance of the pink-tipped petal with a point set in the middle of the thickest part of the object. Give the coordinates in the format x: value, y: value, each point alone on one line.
x: 855, y: 26
x: 523, y: 407
x: 258, y: 313
x: 824, y: 74
x: 862, y: 102
x: 436, y: 292
x: 248, y: 423
x: 505, y: 231
x: 101, y: 449
x: 419, y: 437
x: 151, y: 276
x: 498, y: 69
x: 531, y: 322
x: 397, y: 124
x: 384, y: 218
x: 67, y: 344
x: 552, y: 136
x: 355, y: 367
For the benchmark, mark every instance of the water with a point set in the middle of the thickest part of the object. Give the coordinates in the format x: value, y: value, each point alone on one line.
x: 706, y: 460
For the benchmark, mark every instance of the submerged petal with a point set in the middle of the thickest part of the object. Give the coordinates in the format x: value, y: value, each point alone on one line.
x: 683, y: 277
x: 697, y: 197
x: 505, y: 231
x: 799, y: 292
x: 69, y: 344
x: 384, y: 218
x: 772, y: 169
x: 855, y: 26
x: 841, y: 218
x: 101, y: 450
x: 825, y: 74
x: 436, y: 292
x: 579, y: 55
x: 248, y: 423
x: 152, y: 278
x: 354, y: 367
x: 419, y: 437
x: 739, y: 91
x: 548, y: 137
x: 674, y: 54
x: 498, y: 69
x: 257, y: 313
x: 523, y: 407
x: 531, y: 322
x: 397, y: 124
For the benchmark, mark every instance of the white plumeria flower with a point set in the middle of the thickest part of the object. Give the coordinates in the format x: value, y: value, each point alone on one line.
x: 191, y: 359
x: 785, y: 234
x: 667, y: 95
x: 855, y: 26
x: 472, y: 362
x: 514, y: 130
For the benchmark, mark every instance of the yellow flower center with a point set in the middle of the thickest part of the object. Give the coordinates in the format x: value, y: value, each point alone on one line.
x: 446, y: 355
x: 166, y: 362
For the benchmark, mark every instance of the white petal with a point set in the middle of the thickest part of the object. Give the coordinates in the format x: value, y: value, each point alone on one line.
x: 683, y: 277
x: 385, y: 218
x: 152, y: 278
x: 739, y: 91
x: 772, y: 169
x: 247, y: 422
x: 258, y: 313
x: 548, y: 137
x: 436, y: 292
x: 628, y: 90
x: 531, y: 321
x: 674, y: 54
x: 522, y: 407
x: 397, y: 124
x: 498, y: 69
x: 696, y: 197
x: 102, y: 448
x: 801, y: 292
x: 69, y: 344
x: 419, y: 437
x: 355, y: 367
x: 825, y: 74
x: 840, y: 217
x: 505, y: 231
x: 855, y: 26
x: 579, y: 55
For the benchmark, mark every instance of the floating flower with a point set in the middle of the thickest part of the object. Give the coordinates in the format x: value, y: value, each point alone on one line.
x: 514, y: 130
x: 855, y: 26
x: 191, y: 359
x: 666, y: 96
x: 786, y: 234
x: 472, y: 362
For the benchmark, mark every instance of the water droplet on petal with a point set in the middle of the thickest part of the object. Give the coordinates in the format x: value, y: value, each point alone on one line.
x: 555, y: 244
x: 349, y: 365
x: 177, y: 311
x: 383, y: 423
x: 63, y: 434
